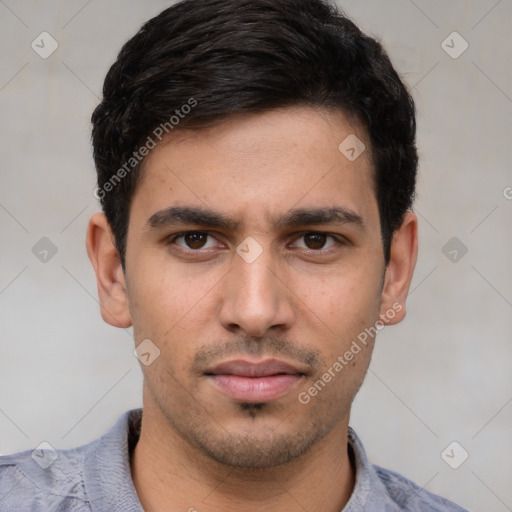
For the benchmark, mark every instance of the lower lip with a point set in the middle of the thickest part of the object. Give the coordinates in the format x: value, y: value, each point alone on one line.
x: 255, y: 389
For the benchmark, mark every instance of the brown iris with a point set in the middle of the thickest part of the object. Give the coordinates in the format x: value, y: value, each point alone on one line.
x: 315, y: 240
x: 195, y: 239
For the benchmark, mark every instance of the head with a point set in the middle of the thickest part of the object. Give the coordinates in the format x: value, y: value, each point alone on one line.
x: 280, y: 139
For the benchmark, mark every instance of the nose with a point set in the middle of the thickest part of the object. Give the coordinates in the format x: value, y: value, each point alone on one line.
x: 255, y: 298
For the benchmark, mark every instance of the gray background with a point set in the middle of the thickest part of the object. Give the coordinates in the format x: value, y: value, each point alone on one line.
x: 442, y: 375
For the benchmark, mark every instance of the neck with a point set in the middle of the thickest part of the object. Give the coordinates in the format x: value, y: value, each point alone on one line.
x: 170, y: 474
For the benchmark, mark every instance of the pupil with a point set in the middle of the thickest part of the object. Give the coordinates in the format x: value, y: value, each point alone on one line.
x: 195, y: 240
x: 317, y: 239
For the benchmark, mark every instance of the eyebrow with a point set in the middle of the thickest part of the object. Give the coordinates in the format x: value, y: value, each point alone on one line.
x: 176, y: 215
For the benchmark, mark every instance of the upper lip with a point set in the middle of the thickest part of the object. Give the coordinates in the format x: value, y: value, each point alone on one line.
x: 243, y: 368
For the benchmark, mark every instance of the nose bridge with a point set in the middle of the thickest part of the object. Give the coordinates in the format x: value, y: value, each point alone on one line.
x: 254, y: 299
x: 255, y: 278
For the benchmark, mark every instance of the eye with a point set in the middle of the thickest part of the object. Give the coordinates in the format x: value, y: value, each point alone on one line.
x: 315, y: 240
x: 194, y: 240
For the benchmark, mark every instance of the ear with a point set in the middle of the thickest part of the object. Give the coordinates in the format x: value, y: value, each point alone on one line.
x: 109, y: 272
x: 398, y: 276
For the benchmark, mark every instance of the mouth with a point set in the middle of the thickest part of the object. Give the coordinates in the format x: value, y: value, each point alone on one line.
x: 254, y: 382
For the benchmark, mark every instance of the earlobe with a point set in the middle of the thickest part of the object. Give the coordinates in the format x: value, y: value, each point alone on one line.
x: 109, y: 272
x: 399, y: 272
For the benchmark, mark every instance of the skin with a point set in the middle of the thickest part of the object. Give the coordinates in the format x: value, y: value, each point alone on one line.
x: 303, y: 300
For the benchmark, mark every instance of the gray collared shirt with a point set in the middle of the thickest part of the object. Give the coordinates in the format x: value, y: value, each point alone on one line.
x: 96, y: 478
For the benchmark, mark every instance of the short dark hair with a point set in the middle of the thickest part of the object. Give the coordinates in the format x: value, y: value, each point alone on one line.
x: 212, y: 59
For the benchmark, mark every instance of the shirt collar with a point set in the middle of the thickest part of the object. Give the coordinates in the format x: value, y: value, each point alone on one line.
x: 109, y: 484
x: 107, y: 473
x: 369, y: 494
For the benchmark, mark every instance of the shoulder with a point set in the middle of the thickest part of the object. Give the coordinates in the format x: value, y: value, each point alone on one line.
x: 43, y: 479
x: 95, y: 476
x: 379, y: 489
x: 410, y: 496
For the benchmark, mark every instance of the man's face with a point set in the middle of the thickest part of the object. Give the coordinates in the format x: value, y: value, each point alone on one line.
x: 242, y: 333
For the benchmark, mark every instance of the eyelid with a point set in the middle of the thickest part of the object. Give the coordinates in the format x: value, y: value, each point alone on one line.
x: 340, y: 240
x: 172, y: 238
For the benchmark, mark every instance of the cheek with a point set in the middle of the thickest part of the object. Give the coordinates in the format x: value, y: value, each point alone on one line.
x: 160, y: 296
x: 344, y: 315
x: 170, y: 308
x: 345, y: 301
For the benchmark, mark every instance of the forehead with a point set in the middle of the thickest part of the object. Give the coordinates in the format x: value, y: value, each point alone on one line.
x: 254, y: 168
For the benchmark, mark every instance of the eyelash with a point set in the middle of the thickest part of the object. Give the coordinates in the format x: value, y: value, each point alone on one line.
x: 340, y: 241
